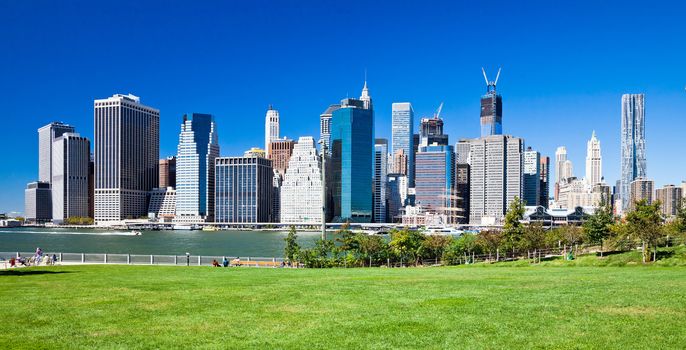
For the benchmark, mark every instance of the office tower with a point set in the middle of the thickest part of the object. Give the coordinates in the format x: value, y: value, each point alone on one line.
x: 633, y: 145
x: 567, y: 170
x: 491, y: 109
x: 301, y: 191
x: 38, y: 202
x: 495, y: 177
x: 279, y: 152
x: 127, y: 152
x: 70, y: 177
x: 435, y: 179
x: 431, y: 132
x: 462, y: 171
x: 198, y: 148
x: 168, y: 172
x: 594, y: 161
x: 275, y: 212
x: 532, y: 177
x: 402, y: 130
x: 91, y: 187
x: 243, y: 189
x: 325, y: 126
x: 396, y: 187
x: 352, y: 154
x: 670, y: 196
x: 46, y: 136
x: 162, y: 204
x: 640, y: 189
x: 560, y: 159
x: 380, y: 173
x: 255, y: 152
x: 545, y: 181
x: 271, y: 127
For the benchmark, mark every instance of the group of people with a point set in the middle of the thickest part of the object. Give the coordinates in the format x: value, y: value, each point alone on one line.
x: 37, y: 259
x: 225, y: 262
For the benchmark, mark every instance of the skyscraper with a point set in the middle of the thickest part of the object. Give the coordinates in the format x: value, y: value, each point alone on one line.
x: 197, y: 150
x: 365, y: 97
x: 594, y: 161
x: 38, y: 202
x: 243, y: 189
x: 670, y: 196
x: 532, y: 177
x: 396, y: 191
x: 279, y: 152
x: 640, y: 189
x: 352, y: 154
x: 491, y: 109
x: 127, y: 151
x: 301, y: 191
x: 435, y: 180
x: 545, y: 181
x: 168, y: 172
x: 325, y: 126
x: 495, y: 177
x: 560, y: 159
x: 402, y: 130
x: 431, y: 132
x: 380, y: 173
x: 271, y: 127
x: 70, y: 177
x: 633, y: 144
x: 46, y: 136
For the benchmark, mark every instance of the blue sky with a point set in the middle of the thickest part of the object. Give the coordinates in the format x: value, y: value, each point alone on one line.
x: 564, y: 68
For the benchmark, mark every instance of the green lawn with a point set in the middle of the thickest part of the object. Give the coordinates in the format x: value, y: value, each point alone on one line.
x: 438, y: 308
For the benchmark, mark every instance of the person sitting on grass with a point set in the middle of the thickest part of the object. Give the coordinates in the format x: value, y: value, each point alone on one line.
x: 13, y: 262
x: 225, y: 262
x: 54, y: 259
x: 237, y: 261
x: 215, y: 263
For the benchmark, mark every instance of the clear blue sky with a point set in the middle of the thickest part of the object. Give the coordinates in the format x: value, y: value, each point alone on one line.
x: 565, y: 66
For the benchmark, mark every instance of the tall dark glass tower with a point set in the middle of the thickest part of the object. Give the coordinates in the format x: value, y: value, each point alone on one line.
x: 491, y: 109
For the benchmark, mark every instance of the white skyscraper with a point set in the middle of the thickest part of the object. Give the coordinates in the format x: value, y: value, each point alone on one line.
x: 271, y: 128
x: 560, y: 158
x: 301, y: 190
x: 594, y: 161
x: 70, y: 177
x: 567, y: 170
x: 46, y: 136
x: 198, y: 148
x: 365, y: 98
x: 126, y: 153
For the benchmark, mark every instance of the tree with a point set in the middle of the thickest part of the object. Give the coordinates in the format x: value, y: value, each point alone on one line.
x: 406, y: 243
x: 490, y: 240
x: 434, y: 246
x: 677, y: 227
x: 645, y: 224
x: 292, y: 248
x: 534, y: 238
x: 347, y: 239
x: 597, y: 227
x: 373, y: 247
x: 513, y: 229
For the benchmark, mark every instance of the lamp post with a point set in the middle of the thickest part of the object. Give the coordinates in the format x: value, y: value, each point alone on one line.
x: 323, y: 154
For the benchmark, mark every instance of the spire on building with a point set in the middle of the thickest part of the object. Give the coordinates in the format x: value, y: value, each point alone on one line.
x: 365, y: 94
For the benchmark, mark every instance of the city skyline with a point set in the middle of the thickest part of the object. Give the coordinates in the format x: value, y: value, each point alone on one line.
x: 536, y: 101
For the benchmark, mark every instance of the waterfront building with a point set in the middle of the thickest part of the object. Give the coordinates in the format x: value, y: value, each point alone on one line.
x: 633, y: 143
x: 380, y: 174
x: 545, y: 181
x: 243, y: 189
x: 532, y: 177
x: 301, y: 191
x: 495, y: 177
x: 46, y: 136
x: 198, y: 148
x: 402, y: 147
x: 435, y: 180
x: 352, y: 154
x: 491, y: 109
x: 127, y: 151
x: 70, y: 177
x: 162, y: 204
x: 670, y: 196
x: 325, y: 126
x: 271, y: 128
x: 641, y: 189
x: 396, y: 187
x: 594, y: 161
x: 279, y: 152
x: 168, y: 172
x: 38, y: 202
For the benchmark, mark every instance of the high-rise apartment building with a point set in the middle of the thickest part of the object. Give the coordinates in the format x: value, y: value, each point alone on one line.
x: 243, y: 189
x: 352, y: 154
x: 396, y: 187
x: 491, y: 109
x: 279, y: 152
x: 402, y: 115
x: 532, y: 177
x: 545, y: 181
x: 126, y: 154
x: 38, y: 202
x: 46, y: 136
x: 435, y: 180
x: 301, y: 191
x: 633, y: 143
x: 640, y: 189
x: 671, y: 198
x: 495, y: 177
x: 70, y: 177
x: 271, y: 127
x: 196, y: 153
x: 380, y: 173
x: 168, y: 172
x: 594, y: 161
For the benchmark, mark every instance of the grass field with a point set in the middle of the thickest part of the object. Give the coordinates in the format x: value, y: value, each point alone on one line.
x: 437, y: 308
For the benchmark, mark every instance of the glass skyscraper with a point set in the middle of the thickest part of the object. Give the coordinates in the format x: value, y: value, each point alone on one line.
x: 352, y: 151
x: 633, y: 144
x: 532, y: 177
x: 243, y: 190
x: 198, y: 148
x: 380, y: 172
x: 434, y: 185
x: 403, y: 129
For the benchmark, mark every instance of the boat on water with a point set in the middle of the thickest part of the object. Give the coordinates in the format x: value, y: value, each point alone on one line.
x: 136, y: 233
x: 210, y: 228
x: 183, y: 227
x: 442, y: 230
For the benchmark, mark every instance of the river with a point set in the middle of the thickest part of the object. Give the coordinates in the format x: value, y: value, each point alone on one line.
x: 86, y: 240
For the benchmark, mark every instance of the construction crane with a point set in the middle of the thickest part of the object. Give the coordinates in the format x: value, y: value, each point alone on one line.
x: 437, y: 114
x: 490, y: 83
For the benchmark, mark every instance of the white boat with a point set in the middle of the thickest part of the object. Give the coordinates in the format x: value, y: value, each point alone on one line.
x: 442, y: 230
x: 183, y: 227
x: 136, y: 233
